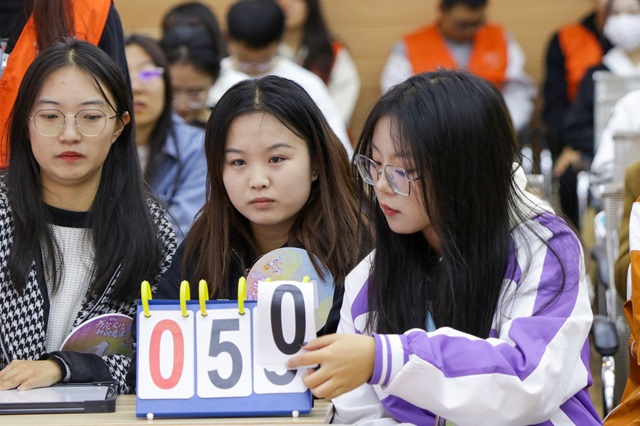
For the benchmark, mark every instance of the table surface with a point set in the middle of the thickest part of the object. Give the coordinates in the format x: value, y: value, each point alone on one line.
x: 125, y: 414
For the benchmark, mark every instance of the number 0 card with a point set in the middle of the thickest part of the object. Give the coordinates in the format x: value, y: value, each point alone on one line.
x: 284, y: 320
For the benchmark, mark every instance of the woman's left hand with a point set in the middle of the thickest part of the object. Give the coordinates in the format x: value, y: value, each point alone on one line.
x: 26, y: 375
x: 345, y: 361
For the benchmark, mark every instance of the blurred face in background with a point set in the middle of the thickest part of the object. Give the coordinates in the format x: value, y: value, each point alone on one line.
x: 147, y: 86
x: 621, y: 7
x: 295, y: 12
x: 251, y: 60
x: 622, y: 26
x: 190, y: 90
x: 461, y: 23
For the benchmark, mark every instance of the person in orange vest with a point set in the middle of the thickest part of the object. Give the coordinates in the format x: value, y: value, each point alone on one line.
x: 308, y: 42
x: 572, y: 50
x: 622, y: 28
x: 29, y: 26
x: 460, y: 37
x: 628, y: 411
x: 629, y: 196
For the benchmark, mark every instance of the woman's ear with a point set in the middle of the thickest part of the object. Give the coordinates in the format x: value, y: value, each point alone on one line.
x: 314, y: 169
x: 121, y: 122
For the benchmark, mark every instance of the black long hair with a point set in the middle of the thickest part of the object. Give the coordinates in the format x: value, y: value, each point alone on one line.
x: 190, y: 45
x: 191, y: 35
x: 318, y: 40
x: 457, y: 132
x: 195, y: 14
x: 220, y: 229
x: 123, y: 231
x: 471, y: 4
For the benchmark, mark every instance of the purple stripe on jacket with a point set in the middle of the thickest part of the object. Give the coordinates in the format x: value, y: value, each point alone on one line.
x: 377, y: 368
x: 406, y: 412
x: 389, y: 359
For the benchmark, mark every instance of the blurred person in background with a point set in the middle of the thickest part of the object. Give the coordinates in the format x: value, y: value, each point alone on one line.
x: 622, y: 28
x: 308, y: 42
x: 461, y: 38
x: 255, y: 29
x: 194, y: 46
x: 171, y: 151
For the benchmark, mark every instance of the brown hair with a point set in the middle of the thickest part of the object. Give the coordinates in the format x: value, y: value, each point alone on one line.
x: 53, y: 20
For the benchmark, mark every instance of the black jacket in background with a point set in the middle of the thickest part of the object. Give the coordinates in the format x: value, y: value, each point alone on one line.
x: 556, y: 100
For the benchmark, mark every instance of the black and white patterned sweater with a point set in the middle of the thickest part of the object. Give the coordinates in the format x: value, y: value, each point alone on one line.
x: 23, y: 318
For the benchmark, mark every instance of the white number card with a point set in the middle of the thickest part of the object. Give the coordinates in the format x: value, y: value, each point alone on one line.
x: 165, y: 353
x: 284, y: 321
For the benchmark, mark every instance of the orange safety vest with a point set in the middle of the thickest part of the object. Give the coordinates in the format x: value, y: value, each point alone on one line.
x: 628, y: 412
x: 581, y: 50
x: 427, y: 51
x: 89, y: 19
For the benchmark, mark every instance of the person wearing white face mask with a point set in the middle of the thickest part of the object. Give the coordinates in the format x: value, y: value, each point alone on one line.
x: 572, y: 50
x: 622, y: 28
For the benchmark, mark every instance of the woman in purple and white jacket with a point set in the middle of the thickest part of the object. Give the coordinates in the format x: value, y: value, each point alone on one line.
x: 473, y: 308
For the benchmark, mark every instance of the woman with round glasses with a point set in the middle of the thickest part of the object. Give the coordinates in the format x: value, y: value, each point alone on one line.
x: 473, y: 308
x: 77, y: 229
x: 170, y: 150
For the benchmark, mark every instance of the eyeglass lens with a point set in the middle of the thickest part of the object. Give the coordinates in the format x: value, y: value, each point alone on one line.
x: 194, y: 99
x: 51, y: 122
x: 150, y: 74
x: 397, y: 177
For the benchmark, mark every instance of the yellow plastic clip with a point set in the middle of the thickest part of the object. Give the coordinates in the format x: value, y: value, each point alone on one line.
x: 185, y: 294
x: 145, y: 295
x: 306, y: 279
x: 268, y: 280
x: 203, y: 295
x: 242, y: 294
